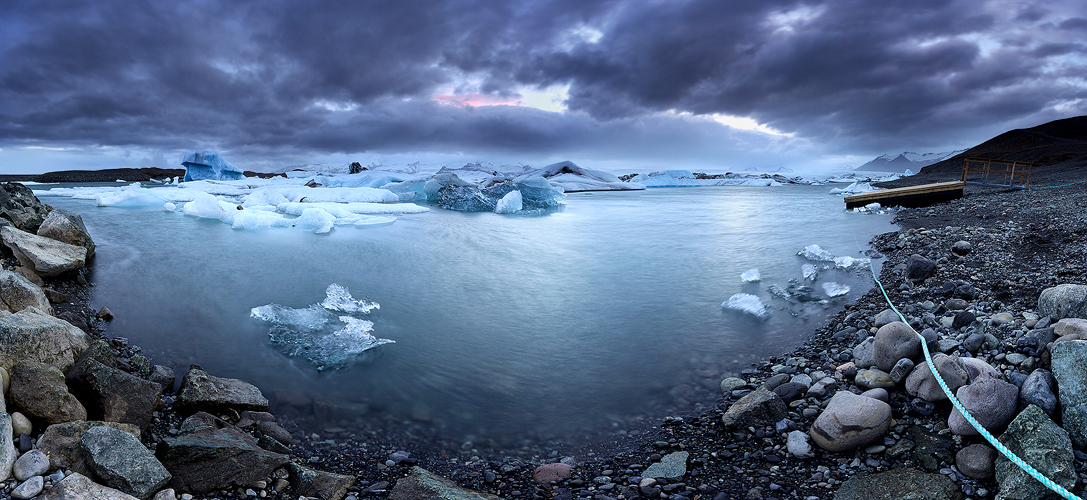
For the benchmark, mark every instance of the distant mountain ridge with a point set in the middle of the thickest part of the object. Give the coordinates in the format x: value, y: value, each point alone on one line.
x: 901, y: 162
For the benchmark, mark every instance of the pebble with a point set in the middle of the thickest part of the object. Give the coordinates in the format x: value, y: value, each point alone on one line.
x: 29, y: 488
x: 32, y: 463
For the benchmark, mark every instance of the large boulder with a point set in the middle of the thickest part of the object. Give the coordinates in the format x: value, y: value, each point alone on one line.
x: 895, y: 341
x: 33, y: 335
x: 20, y: 207
x: 113, y: 395
x: 67, y: 227
x: 123, y: 462
x: 78, y: 487
x: 1063, y: 301
x: 1033, y: 437
x: 202, y: 392
x: 318, y: 484
x: 39, y: 390
x: 423, y: 485
x: 61, y: 443
x: 922, y: 384
x: 899, y: 484
x: 850, y: 421
x: 758, y: 408
x: 1069, y: 363
x: 46, y: 256
x: 18, y: 293
x: 211, y: 454
x: 992, y: 402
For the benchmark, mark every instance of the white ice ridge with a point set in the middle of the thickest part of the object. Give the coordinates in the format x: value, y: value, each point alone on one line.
x: 328, y: 335
x: 686, y: 178
x: 835, y: 289
x: 856, y: 187
x: 750, y: 275
x: 747, y: 303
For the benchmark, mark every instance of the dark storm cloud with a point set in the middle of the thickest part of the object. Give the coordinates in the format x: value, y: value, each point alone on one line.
x: 330, y: 76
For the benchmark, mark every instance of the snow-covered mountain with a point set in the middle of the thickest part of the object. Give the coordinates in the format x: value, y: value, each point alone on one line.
x: 905, y: 161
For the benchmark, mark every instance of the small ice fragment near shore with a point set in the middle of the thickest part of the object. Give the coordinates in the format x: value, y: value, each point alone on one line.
x: 810, y: 272
x: 750, y: 275
x: 510, y: 203
x: 846, y: 261
x: 747, y: 303
x: 835, y: 289
x: 779, y: 292
x: 815, y: 253
x: 169, y: 207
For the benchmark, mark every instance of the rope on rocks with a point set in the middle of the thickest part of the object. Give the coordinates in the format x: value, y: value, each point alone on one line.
x: 970, y: 418
x: 1059, y: 185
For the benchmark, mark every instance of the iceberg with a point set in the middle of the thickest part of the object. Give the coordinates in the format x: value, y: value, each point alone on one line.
x: 748, y: 304
x: 453, y: 193
x: 816, y: 253
x: 835, y: 289
x: 316, y: 220
x: 511, y: 203
x: 750, y: 275
x: 207, y: 165
x: 572, y: 178
x: 328, y: 335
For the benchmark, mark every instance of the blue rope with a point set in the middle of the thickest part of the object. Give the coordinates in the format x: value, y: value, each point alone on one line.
x: 969, y: 418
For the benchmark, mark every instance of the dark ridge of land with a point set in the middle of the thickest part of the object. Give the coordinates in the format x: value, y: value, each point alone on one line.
x: 113, y: 174
x: 1058, y: 151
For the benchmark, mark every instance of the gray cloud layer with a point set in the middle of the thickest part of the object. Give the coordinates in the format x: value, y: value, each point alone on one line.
x: 848, y: 75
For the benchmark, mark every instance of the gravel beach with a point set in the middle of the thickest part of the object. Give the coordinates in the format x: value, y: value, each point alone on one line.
x: 1017, y: 244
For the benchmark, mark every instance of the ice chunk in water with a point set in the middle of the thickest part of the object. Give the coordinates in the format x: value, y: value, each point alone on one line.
x: 328, y: 335
x: 750, y: 275
x: 846, y: 261
x: 316, y: 220
x: 747, y: 303
x: 206, y: 206
x: 835, y: 289
x: 810, y: 272
x: 511, y: 203
x: 816, y: 253
x: 258, y: 219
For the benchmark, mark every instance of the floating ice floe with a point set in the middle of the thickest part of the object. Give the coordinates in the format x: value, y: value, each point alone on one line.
x: 856, y: 187
x: 328, y: 335
x: 816, y: 253
x: 750, y: 275
x: 686, y: 178
x: 810, y: 272
x: 748, y: 304
x: 835, y: 289
x: 846, y: 262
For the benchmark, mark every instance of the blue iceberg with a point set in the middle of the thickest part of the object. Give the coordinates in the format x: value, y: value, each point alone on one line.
x: 452, y: 193
x: 207, y: 165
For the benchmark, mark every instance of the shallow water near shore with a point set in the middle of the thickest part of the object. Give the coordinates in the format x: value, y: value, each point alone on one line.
x: 599, y: 313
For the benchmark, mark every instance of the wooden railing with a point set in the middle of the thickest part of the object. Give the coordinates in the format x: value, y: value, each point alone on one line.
x: 985, y: 172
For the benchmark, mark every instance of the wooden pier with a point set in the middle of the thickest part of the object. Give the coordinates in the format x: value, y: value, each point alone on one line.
x: 912, y: 196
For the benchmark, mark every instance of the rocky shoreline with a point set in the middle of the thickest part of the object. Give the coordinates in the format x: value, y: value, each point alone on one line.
x: 968, y: 273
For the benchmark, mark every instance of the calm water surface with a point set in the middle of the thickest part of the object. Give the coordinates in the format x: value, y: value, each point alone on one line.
x: 600, y: 312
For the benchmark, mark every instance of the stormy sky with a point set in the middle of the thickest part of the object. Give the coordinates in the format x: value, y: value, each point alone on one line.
x: 703, y: 84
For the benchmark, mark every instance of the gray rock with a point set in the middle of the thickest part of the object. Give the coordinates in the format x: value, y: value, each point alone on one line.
x: 976, y: 461
x: 211, y: 453
x: 730, y: 383
x: 203, y: 392
x: 760, y: 407
x: 67, y: 227
x: 113, y: 395
x: 922, y: 384
x: 29, y: 488
x: 973, y: 342
x: 122, y: 462
x: 878, y: 393
x: 902, y: 370
x: 873, y: 378
x: 790, y: 391
x: 976, y: 368
x: 1063, y: 301
x: 822, y: 386
x: 864, y: 354
x: 1069, y: 363
x: 319, y: 484
x: 1038, y: 390
x: 956, y: 304
x: 992, y: 402
x: 423, y: 485
x: 61, y: 443
x: 32, y: 463
x: 1037, y: 440
x: 19, y: 206
x: 962, y: 318
x: 1070, y: 326
x: 885, y: 317
x: 547, y: 473
x: 803, y: 379
x: 850, y: 421
x: 7, y: 447
x: 45, y: 256
x: 961, y: 247
x: 799, y: 444
x: 18, y: 293
x: 40, y: 391
x: 33, y: 335
x: 164, y: 376
x: 672, y: 467
x: 274, y: 431
x: 1002, y: 318
x: 893, y: 342
x: 899, y: 484
x: 919, y: 268
x: 78, y: 487
x: 166, y: 494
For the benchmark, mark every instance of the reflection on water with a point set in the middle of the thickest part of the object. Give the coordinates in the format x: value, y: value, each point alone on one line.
x: 602, y: 311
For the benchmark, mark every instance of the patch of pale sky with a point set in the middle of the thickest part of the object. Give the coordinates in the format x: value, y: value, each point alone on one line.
x: 335, y: 106
x: 746, y: 123
x: 579, y: 34
x: 787, y: 21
